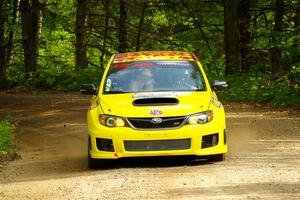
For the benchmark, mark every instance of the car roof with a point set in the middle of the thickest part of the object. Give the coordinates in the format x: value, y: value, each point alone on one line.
x: 153, y: 55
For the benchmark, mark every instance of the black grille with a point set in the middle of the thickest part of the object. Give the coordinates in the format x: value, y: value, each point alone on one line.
x: 157, y: 145
x: 146, y: 123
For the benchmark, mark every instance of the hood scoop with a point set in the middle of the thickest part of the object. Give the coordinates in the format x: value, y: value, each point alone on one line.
x: 157, y: 101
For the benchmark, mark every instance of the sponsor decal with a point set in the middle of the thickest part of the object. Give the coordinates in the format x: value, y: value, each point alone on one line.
x: 220, y: 105
x: 157, y: 94
x: 127, y: 57
x: 216, y: 103
x: 212, y: 100
x: 176, y: 123
x: 173, y: 63
x: 120, y: 66
x: 95, y: 105
x: 156, y: 112
x: 108, y: 85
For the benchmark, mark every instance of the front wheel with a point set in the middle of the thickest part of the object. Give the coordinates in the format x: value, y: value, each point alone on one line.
x: 96, y: 163
x: 216, y: 158
x: 92, y: 163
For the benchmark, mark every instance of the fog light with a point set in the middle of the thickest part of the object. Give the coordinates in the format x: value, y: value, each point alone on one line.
x: 105, y: 144
x: 210, y: 140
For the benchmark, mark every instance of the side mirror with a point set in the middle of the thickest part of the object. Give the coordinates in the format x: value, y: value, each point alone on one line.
x: 89, y: 89
x: 219, y: 85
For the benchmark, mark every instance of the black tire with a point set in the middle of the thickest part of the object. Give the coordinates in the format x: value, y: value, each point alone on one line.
x: 216, y: 158
x: 92, y: 163
x: 96, y: 163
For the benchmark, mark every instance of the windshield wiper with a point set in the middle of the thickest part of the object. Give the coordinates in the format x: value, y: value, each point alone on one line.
x: 199, y: 89
x: 116, y: 92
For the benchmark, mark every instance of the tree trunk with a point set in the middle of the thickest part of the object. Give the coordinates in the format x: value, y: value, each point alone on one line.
x: 31, y: 16
x: 198, y: 24
x: 297, y: 25
x: 122, y: 26
x: 11, y: 35
x: 81, y: 34
x: 105, y: 34
x: 137, y: 48
x: 275, y: 51
x: 297, y: 16
x: 233, y: 60
x: 244, y: 26
x: 2, y: 53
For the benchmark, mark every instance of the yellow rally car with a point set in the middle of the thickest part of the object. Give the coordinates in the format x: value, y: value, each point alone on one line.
x: 155, y: 104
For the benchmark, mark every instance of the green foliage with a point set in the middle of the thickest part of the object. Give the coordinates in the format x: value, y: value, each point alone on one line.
x: 7, y: 129
x: 281, y: 92
x: 183, y: 25
x: 63, y: 80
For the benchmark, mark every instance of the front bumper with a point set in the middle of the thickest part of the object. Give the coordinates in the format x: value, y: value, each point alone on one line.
x: 189, y: 140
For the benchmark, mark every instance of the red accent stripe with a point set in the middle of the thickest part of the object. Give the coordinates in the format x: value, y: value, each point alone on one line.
x: 194, y: 56
x: 120, y: 66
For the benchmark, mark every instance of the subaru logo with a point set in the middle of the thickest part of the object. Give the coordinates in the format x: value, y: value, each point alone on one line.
x: 156, y: 112
x: 156, y: 120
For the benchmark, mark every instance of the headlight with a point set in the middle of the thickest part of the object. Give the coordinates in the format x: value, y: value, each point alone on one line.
x: 111, y: 121
x: 201, y: 118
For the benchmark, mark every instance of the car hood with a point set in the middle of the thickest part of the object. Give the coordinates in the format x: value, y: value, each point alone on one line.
x: 122, y: 104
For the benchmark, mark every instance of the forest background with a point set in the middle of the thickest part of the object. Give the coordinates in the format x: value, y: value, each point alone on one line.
x: 57, y: 45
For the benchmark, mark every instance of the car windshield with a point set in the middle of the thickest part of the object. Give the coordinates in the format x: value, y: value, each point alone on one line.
x: 153, y: 76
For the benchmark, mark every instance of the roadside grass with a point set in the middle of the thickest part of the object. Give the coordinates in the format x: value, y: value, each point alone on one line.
x: 7, y: 138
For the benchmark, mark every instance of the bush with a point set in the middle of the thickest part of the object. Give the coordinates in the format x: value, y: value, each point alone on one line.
x: 7, y: 129
x: 281, y: 92
x: 63, y: 81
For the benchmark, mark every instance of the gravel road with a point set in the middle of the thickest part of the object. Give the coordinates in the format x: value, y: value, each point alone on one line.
x: 263, y: 160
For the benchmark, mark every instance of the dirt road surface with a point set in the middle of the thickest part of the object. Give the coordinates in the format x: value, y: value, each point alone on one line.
x: 263, y: 160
